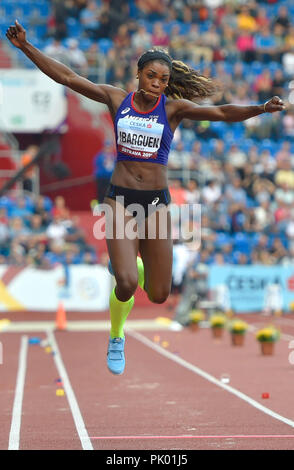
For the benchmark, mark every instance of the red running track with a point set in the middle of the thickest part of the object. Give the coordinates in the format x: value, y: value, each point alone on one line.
x: 168, y: 398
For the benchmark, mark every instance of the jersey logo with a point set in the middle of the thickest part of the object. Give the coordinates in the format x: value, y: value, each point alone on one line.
x: 155, y: 201
x: 126, y: 110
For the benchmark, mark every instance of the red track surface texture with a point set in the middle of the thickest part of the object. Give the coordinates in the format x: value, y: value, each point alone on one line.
x: 169, y: 397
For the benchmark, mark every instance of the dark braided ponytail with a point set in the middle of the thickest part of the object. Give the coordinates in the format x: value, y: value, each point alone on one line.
x: 189, y: 84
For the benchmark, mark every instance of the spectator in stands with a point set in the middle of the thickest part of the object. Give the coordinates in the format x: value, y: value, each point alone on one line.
x: 76, y: 58
x: 263, y: 85
x: 263, y: 217
x: 75, y: 234
x: 282, y: 18
x: 245, y: 20
x: 278, y: 83
x: 177, y: 192
x: 57, y: 21
x: 235, y: 193
x: 211, y: 192
x: 94, y: 61
x: 262, y: 19
x: 179, y: 157
x: 36, y: 257
x: 103, y: 168
x: 218, y: 151
x: 289, y: 39
x: 43, y: 208
x: 17, y: 255
x: 229, y: 17
x: 29, y: 176
x: 57, y: 51
x: 194, y: 289
x: 60, y: 208
x: 277, y: 250
x: 18, y: 232
x: 89, y: 18
x: 141, y: 39
x: 151, y: 10
x: 246, y: 46
x: 122, y: 38
x: 284, y: 153
x: 192, y: 192
x: 236, y: 156
x: 37, y: 231
x: 279, y: 36
x: 20, y: 209
x: 177, y: 45
x: 56, y: 232
x: 266, y: 45
x: 89, y: 258
x: 284, y: 194
x: 285, y: 174
x: 159, y: 37
x: 56, y: 254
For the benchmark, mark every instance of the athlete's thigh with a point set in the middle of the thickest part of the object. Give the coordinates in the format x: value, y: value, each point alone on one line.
x: 156, y: 250
x: 122, y: 247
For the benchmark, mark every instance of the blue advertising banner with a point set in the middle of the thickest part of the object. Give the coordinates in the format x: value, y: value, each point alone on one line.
x: 254, y: 288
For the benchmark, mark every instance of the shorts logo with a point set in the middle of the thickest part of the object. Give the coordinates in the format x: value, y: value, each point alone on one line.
x: 126, y: 110
x: 155, y: 201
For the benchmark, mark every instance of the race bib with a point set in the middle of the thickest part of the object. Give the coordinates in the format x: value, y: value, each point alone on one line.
x: 139, y: 138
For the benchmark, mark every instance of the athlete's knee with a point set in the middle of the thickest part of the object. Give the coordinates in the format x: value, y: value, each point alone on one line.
x: 126, y: 284
x: 159, y: 296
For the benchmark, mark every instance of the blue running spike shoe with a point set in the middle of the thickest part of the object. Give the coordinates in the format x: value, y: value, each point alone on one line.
x: 115, y: 355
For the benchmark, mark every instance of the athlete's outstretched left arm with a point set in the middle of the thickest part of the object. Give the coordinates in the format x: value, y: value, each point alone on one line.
x: 226, y: 112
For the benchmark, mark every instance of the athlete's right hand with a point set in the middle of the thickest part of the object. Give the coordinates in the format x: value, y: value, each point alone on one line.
x: 16, y: 35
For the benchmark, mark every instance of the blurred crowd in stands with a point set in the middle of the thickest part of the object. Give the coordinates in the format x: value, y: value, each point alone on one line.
x: 34, y: 231
x: 242, y: 174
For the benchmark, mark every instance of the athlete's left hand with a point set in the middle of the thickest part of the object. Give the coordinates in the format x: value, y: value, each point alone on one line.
x: 273, y: 105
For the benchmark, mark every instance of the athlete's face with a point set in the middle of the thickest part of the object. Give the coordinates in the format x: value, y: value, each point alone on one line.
x: 153, y: 79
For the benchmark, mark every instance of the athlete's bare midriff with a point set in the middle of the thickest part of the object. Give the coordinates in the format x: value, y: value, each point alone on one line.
x: 140, y: 175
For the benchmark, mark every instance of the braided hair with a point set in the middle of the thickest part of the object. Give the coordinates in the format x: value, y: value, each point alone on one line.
x: 184, y: 82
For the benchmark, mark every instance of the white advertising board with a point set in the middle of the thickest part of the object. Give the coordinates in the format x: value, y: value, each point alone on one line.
x: 30, y: 102
x: 81, y: 288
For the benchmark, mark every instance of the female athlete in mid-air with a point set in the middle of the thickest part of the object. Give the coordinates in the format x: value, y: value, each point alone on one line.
x: 144, y: 123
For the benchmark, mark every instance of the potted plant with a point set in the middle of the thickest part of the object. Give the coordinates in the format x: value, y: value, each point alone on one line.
x: 267, y: 337
x: 238, y: 329
x: 195, y: 317
x: 217, y: 324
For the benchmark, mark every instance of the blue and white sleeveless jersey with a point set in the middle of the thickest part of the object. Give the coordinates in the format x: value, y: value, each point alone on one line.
x: 142, y: 136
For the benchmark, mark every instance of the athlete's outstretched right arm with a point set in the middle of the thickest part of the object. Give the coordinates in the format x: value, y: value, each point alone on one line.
x: 60, y: 73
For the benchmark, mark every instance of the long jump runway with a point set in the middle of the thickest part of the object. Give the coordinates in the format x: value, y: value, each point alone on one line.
x: 58, y: 394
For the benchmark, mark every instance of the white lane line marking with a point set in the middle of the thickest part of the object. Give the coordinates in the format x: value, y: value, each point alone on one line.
x: 209, y: 377
x: 14, y: 436
x: 184, y: 436
x: 75, y: 410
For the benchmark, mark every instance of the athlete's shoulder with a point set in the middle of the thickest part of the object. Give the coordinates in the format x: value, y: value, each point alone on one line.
x: 117, y: 96
x: 172, y: 107
x: 178, y: 103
